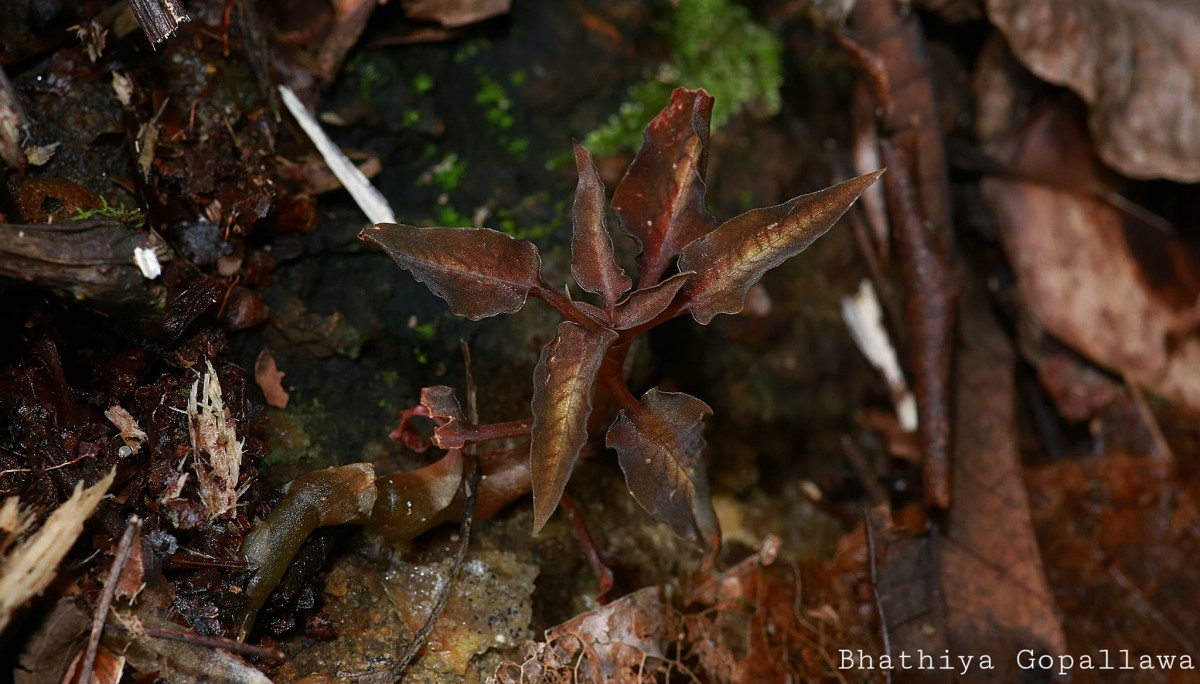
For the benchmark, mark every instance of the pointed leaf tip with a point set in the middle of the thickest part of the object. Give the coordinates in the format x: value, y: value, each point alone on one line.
x: 478, y: 271
x: 732, y: 258
x: 562, y: 401
x: 592, y: 261
x: 660, y: 201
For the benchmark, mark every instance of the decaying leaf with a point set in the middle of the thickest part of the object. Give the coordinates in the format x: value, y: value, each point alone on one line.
x: 993, y: 581
x: 660, y: 201
x: 733, y: 257
x: 592, y: 261
x: 30, y: 567
x: 214, y: 434
x: 1080, y: 273
x: 562, y: 402
x: 742, y: 626
x: 455, y: 13
x: 480, y: 272
x: 1135, y: 62
x: 660, y: 446
x: 975, y: 585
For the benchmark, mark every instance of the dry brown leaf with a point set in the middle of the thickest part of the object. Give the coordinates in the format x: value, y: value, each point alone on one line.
x: 269, y: 378
x: 993, y: 581
x: 1135, y: 62
x: 1079, y: 274
x: 1125, y: 533
x: 979, y: 587
x: 455, y: 13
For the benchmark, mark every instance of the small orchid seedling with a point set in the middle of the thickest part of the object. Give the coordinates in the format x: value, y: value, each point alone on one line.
x: 687, y: 264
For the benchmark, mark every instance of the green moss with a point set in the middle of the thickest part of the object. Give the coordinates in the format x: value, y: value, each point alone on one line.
x: 422, y: 83
x: 130, y: 217
x: 714, y: 45
x: 370, y: 74
x: 498, y: 106
x: 390, y: 378
x: 448, y: 173
x: 292, y: 440
x: 447, y: 215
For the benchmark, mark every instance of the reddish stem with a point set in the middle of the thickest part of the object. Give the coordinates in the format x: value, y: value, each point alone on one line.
x: 562, y: 304
x: 603, y: 573
x: 492, y: 431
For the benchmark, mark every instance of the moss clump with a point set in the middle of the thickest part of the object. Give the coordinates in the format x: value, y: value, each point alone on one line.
x: 715, y: 45
x: 130, y: 217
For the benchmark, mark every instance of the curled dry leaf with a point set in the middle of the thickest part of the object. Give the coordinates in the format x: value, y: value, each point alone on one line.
x: 660, y: 446
x: 480, y: 272
x: 592, y: 261
x: 562, y: 402
x: 444, y: 408
x: 660, y: 201
x: 732, y: 258
x: 1135, y: 62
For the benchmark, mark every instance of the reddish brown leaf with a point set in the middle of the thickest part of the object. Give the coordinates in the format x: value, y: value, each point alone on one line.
x: 641, y: 306
x: 733, y: 257
x: 480, y: 272
x: 562, y: 401
x: 660, y: 201
x: 660, y: 448
x: 268, y: 377
x: 592, y: 261
x: 444, y: 408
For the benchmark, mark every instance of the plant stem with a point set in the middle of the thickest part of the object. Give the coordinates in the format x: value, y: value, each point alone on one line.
x: 493, y: 431
x: 562, y: 304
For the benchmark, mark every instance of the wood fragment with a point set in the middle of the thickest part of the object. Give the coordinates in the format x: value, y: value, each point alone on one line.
x: 929, y: 294
x: 12, y: 125
x: 106, y: 596
x: 891, y: 51
x: 369, y: 199
x: 32, y: 565
x: 159, y: 18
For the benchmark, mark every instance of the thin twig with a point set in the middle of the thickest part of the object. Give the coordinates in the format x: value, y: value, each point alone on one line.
x: 470, y: 485
x: 1162, y: 449
x: 874, y: 569
x: 858, y: 461
x: 106, y: 596
x: 209, y: 642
